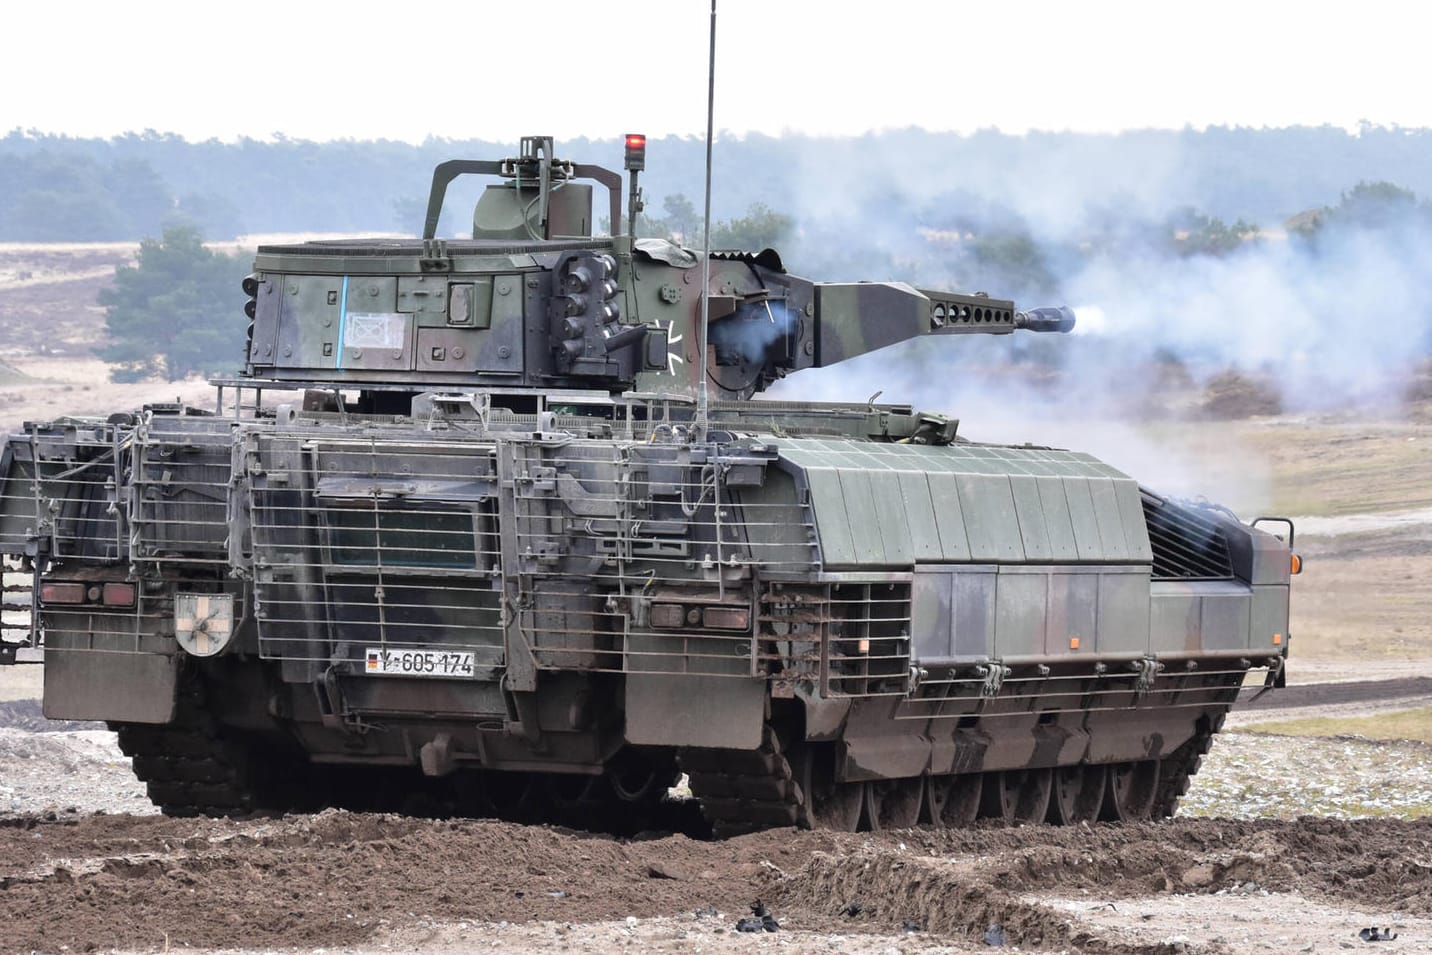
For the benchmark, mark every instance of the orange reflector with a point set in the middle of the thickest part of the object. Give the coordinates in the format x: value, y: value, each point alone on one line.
x: 54, y: 592
x: 1073, y: 643
x: 1277, y: 639
x: 1295, y: 564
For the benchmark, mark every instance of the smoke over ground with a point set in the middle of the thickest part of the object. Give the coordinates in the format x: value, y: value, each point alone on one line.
x: 1179, y: 315
x: 1079, y: 408
x: 1343, y: 322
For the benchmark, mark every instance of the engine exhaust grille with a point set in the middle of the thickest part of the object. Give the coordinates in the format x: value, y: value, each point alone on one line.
x: 1187, y: 544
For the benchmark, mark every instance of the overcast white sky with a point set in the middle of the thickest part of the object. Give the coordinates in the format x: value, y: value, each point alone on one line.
x: 407, y: 70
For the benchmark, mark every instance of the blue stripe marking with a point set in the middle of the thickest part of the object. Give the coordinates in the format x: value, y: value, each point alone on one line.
x: 342, y: 323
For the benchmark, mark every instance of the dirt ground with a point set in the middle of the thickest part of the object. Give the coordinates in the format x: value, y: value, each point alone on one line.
x: 374, y: 882
x: 1282, y: 845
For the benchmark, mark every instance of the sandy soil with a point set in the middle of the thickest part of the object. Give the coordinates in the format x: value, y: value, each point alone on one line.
x: 20, y: 683
x: 48, y: 300
x: 1362, y: 602
x: 49, y: 324
x: 80, y: 386
x: 1344, y: 524
x: 1360, y: 460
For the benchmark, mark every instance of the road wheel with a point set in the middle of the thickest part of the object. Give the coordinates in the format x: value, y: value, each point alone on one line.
x: 954, y: 801
x: 894, y: 803
x: 1031, y: 802
x: 997, y: 797
x: 1129, y: 795
x: 1078, y: 794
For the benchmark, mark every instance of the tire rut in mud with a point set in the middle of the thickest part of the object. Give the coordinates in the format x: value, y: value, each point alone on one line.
x: 959, y: 883
x: 338, y: 878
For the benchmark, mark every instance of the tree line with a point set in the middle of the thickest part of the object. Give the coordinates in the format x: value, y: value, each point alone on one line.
x: 79, y: 189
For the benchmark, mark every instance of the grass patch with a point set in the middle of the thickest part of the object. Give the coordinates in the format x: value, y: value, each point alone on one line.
x: 1401, y: 725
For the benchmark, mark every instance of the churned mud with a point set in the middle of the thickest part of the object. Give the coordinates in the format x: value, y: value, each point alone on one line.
x: 86, y: 865
x: 345, y: 880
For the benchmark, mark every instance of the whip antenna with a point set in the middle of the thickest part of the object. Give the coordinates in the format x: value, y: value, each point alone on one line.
x: 701, y: 399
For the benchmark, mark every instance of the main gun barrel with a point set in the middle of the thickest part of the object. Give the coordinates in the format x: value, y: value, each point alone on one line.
x: 852, y: 318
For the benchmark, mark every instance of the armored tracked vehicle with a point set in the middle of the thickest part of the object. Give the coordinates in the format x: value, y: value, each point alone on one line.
x: 493, y: 525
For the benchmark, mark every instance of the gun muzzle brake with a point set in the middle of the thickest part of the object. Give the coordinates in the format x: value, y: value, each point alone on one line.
x: 1056, y: 318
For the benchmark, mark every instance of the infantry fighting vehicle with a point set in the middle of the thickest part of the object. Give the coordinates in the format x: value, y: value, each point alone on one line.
x: 493, y: 525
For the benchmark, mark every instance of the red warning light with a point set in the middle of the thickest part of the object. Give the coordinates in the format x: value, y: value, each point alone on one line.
x: 635, y: 152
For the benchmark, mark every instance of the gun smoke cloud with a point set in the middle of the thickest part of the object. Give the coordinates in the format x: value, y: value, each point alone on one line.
x: 1330, y: 318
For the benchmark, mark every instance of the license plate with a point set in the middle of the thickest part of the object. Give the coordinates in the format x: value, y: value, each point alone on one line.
x: 443, y: 663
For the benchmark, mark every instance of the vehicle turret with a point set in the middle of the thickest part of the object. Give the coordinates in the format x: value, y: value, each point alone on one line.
x: 534, y: 301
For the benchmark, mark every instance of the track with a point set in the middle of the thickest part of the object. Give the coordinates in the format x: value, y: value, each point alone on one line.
x: 191, y: 768
x: 774, y: 787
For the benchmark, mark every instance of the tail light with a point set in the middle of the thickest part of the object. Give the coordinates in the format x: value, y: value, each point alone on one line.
x: 726, y: 618
x: 676, y: 616
x: 118, y: 594
x: 668, y: 616
x: 62, y: 592
x: 109, y: 593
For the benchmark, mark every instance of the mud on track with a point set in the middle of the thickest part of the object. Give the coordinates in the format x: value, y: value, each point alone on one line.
x: 340, y: 879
